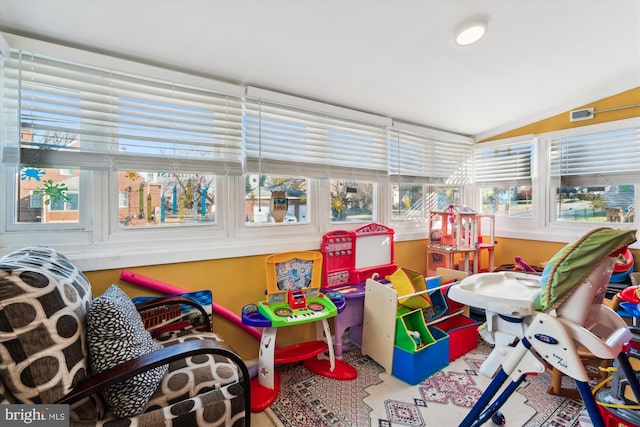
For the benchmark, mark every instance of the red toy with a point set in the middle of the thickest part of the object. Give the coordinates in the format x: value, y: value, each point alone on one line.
x: 351, y: 257
x: 630, y: 294
x: 296, y: 299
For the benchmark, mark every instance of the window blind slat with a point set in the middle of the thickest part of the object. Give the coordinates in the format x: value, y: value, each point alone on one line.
x: 319, y: 145
x: 615, y: 151
x: 422, y: 158
x: 106, y: 116
x: 504, y: 163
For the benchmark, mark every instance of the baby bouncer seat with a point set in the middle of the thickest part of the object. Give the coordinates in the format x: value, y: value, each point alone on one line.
x: 535, y: 321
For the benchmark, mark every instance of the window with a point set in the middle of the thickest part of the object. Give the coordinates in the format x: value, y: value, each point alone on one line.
x: 582, y: 176
x: 77, y: 117
x: 429, y: 168
x: 503, y: 174
x: 45, y: 196
x: 351, y: 201
x: 415, y: 201
x: 69, y: 203
x: 596, y: 203
x: 408, y: 202
x: 596, y: 174
x: 127, y: 158
x: 35, y: 200
x: 123, y: 199
x: 440, y: 198
x: 284, y: 134
x: 288, y: 195
x: 145, y: 165
x: 162, y: 198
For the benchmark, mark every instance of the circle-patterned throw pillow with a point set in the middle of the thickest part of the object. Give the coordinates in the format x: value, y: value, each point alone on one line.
x: 43, y: 301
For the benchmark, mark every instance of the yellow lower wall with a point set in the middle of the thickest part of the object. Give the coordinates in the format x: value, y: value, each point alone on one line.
x: 532, y: 251
x: 236, y: 282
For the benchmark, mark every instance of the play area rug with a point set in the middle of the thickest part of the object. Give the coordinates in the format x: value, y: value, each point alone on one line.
x: 377, y: 399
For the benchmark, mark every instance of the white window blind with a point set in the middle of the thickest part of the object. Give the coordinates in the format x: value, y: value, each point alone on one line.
x: 510, y: 162
x: 286, y: 139
x: 432, y: 157
x: 610, y: 153
x: 71, y: 115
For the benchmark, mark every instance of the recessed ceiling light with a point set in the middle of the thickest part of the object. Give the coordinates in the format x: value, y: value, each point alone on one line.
x: 471, y: 32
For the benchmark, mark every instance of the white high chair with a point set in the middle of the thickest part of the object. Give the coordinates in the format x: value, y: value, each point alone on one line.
x: 530, y: 329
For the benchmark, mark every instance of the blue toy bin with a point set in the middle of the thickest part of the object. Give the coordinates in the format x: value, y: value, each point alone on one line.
x: 415, y: 359
x: 415, y: 367
x: 439, y: 305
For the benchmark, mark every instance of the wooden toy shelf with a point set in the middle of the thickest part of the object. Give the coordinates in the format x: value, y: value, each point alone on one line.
x: 444, y: 334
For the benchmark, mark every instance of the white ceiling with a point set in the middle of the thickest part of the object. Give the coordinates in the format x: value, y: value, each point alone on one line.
x: 394, y: 58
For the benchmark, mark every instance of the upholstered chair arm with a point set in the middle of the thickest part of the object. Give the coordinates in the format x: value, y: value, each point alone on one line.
x: 162, y: 356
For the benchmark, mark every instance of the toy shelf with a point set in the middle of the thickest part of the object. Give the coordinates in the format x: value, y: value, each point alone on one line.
x: 414, y: 344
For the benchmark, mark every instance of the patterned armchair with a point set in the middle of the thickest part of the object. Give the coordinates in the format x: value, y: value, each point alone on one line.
x: 59, y: 344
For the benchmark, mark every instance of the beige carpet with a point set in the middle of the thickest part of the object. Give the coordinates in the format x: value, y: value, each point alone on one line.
x: 378, y: 399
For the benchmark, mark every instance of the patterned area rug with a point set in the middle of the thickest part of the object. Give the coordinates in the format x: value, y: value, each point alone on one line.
x: 377, y: 399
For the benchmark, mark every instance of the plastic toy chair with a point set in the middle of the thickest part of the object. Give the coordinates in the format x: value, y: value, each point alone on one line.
x: 538, y: 321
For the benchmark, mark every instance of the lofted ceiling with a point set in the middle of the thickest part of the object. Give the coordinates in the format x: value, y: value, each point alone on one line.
x: 394, y: 58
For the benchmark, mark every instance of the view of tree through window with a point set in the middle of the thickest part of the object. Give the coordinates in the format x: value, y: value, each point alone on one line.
x: 351, y: 201
x: 408, y: 202
x: 162, y: 198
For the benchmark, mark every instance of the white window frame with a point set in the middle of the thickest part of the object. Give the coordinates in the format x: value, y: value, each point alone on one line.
x: 443, y: 151
x: 543, y: 226
x: 567, y: 231
x: 275, y: 237
x: 508, y: 226
x: 98, y: 241
x: 8, y: 214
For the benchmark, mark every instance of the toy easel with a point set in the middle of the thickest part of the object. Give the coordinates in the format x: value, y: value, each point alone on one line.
x: 349, y: 258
